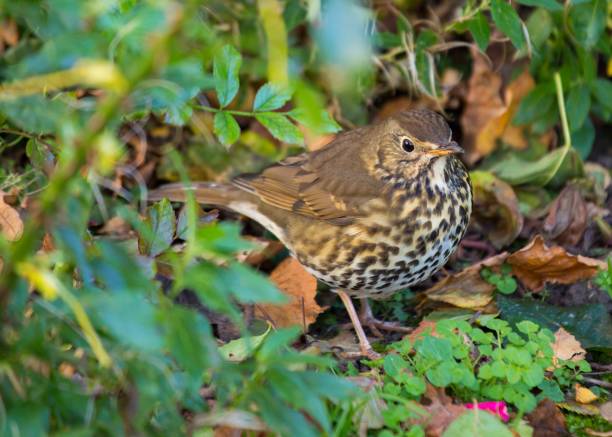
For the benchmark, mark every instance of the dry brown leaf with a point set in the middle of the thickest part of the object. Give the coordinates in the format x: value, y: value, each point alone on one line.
x: 567, y: 217
x: 442, y: 411
x: 547, y: 420
x: 424, y: 327
x: 566, y: 347
x: 605, y: 410
x: 11, y: 225
x: 582, y: 409
x: 584, y: 395
x: 496, y: 208
x: 343, y: 343
x: 537, y: 263
x: 490, y: 108
x: 300, y: 287
x: 466, y: 289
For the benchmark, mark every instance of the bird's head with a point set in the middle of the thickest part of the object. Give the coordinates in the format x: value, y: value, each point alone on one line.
x: 410, y: 142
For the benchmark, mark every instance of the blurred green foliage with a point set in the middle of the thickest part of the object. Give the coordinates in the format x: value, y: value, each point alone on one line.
x: 91, y: 343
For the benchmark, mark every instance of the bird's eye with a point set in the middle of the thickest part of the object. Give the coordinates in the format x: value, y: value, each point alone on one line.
x: 407, y: 145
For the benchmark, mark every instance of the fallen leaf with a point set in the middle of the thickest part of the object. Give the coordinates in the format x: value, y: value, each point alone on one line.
x: 343, y: 343
x: 584, y: 395
x: 489, y: 109
x: 466, y: 289
x: 496, y: 208
x: 11, y: 225
x: 567, y: 217
x: 566, y: 347
x: 228, y: 421
x: 536, y: 264
x: 600, y: 178
x: 547, y: 420
x: 425, y: 327
x: 442, y: 411
x: 300, y: 287
x: 605, y: 410
x: 582, y: 409
x: 484, y: 106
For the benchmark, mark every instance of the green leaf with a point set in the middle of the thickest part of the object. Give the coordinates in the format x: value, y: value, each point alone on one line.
x: 537, y: 103
x: 602, y: 91
x: 189, y: 338
x: 226, y: 66
x: 588, y: 21
x: 551, y: 390
x: 583, y: 139
x: 479, y: 28
x: 517, y: 171
x: 434, y: 349
x: 394, y: 365
x: 250, y: 286
x: 508, y: 21
x: 590, y: 324
x: 240, y: 349
x: 280, y: 127
x: 226, y: 128
x: 578, y: 105
x: 270, y: 97
x: 533, y: 376
x: 527, y: 327
x: 128, y: 317
x: 162, y: 221
x: 220, y: 240
x: 319, y: 121
x: 477, y: 423
x: 540, y: 26
x: 36, y: 114
x: 551, y: 5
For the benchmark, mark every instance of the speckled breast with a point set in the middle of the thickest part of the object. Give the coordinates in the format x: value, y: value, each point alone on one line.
x: 404, y: 238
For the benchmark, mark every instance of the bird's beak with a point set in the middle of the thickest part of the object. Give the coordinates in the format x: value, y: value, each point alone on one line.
x: 449, y: 148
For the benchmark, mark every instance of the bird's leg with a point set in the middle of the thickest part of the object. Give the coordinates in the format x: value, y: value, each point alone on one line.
x: 367, y: 319
x: 364, y: 344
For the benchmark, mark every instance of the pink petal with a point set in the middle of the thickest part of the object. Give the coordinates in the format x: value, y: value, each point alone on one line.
x: 499, y: 408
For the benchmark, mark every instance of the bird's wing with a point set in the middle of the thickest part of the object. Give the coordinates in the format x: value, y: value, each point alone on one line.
x: 331, y: 184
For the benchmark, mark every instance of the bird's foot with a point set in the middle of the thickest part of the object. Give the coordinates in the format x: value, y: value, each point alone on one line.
x: 376, y: 326
x: 366, y: 317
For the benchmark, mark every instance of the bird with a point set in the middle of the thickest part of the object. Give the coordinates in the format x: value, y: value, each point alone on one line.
x: 378, y: 209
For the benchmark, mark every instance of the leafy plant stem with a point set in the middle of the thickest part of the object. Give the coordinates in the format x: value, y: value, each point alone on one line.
x: 242, y: 113
x: 564, y: 124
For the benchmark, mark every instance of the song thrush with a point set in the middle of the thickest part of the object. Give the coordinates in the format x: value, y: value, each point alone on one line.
x: 378, y: 209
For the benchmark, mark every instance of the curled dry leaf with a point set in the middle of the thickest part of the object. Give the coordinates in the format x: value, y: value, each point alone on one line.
x: 536, y: 264
x: 547, y: 420
x: 584, y: 395
x: 496, y: 208
x: 300, y: 287
x: 11, y: 225
x: 490, y: 108
x: 466, y: 289
x: 567, y: 217
x: 566, y: 347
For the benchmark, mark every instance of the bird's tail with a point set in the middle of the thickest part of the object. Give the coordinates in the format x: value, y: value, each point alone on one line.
x: 208, y: 193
